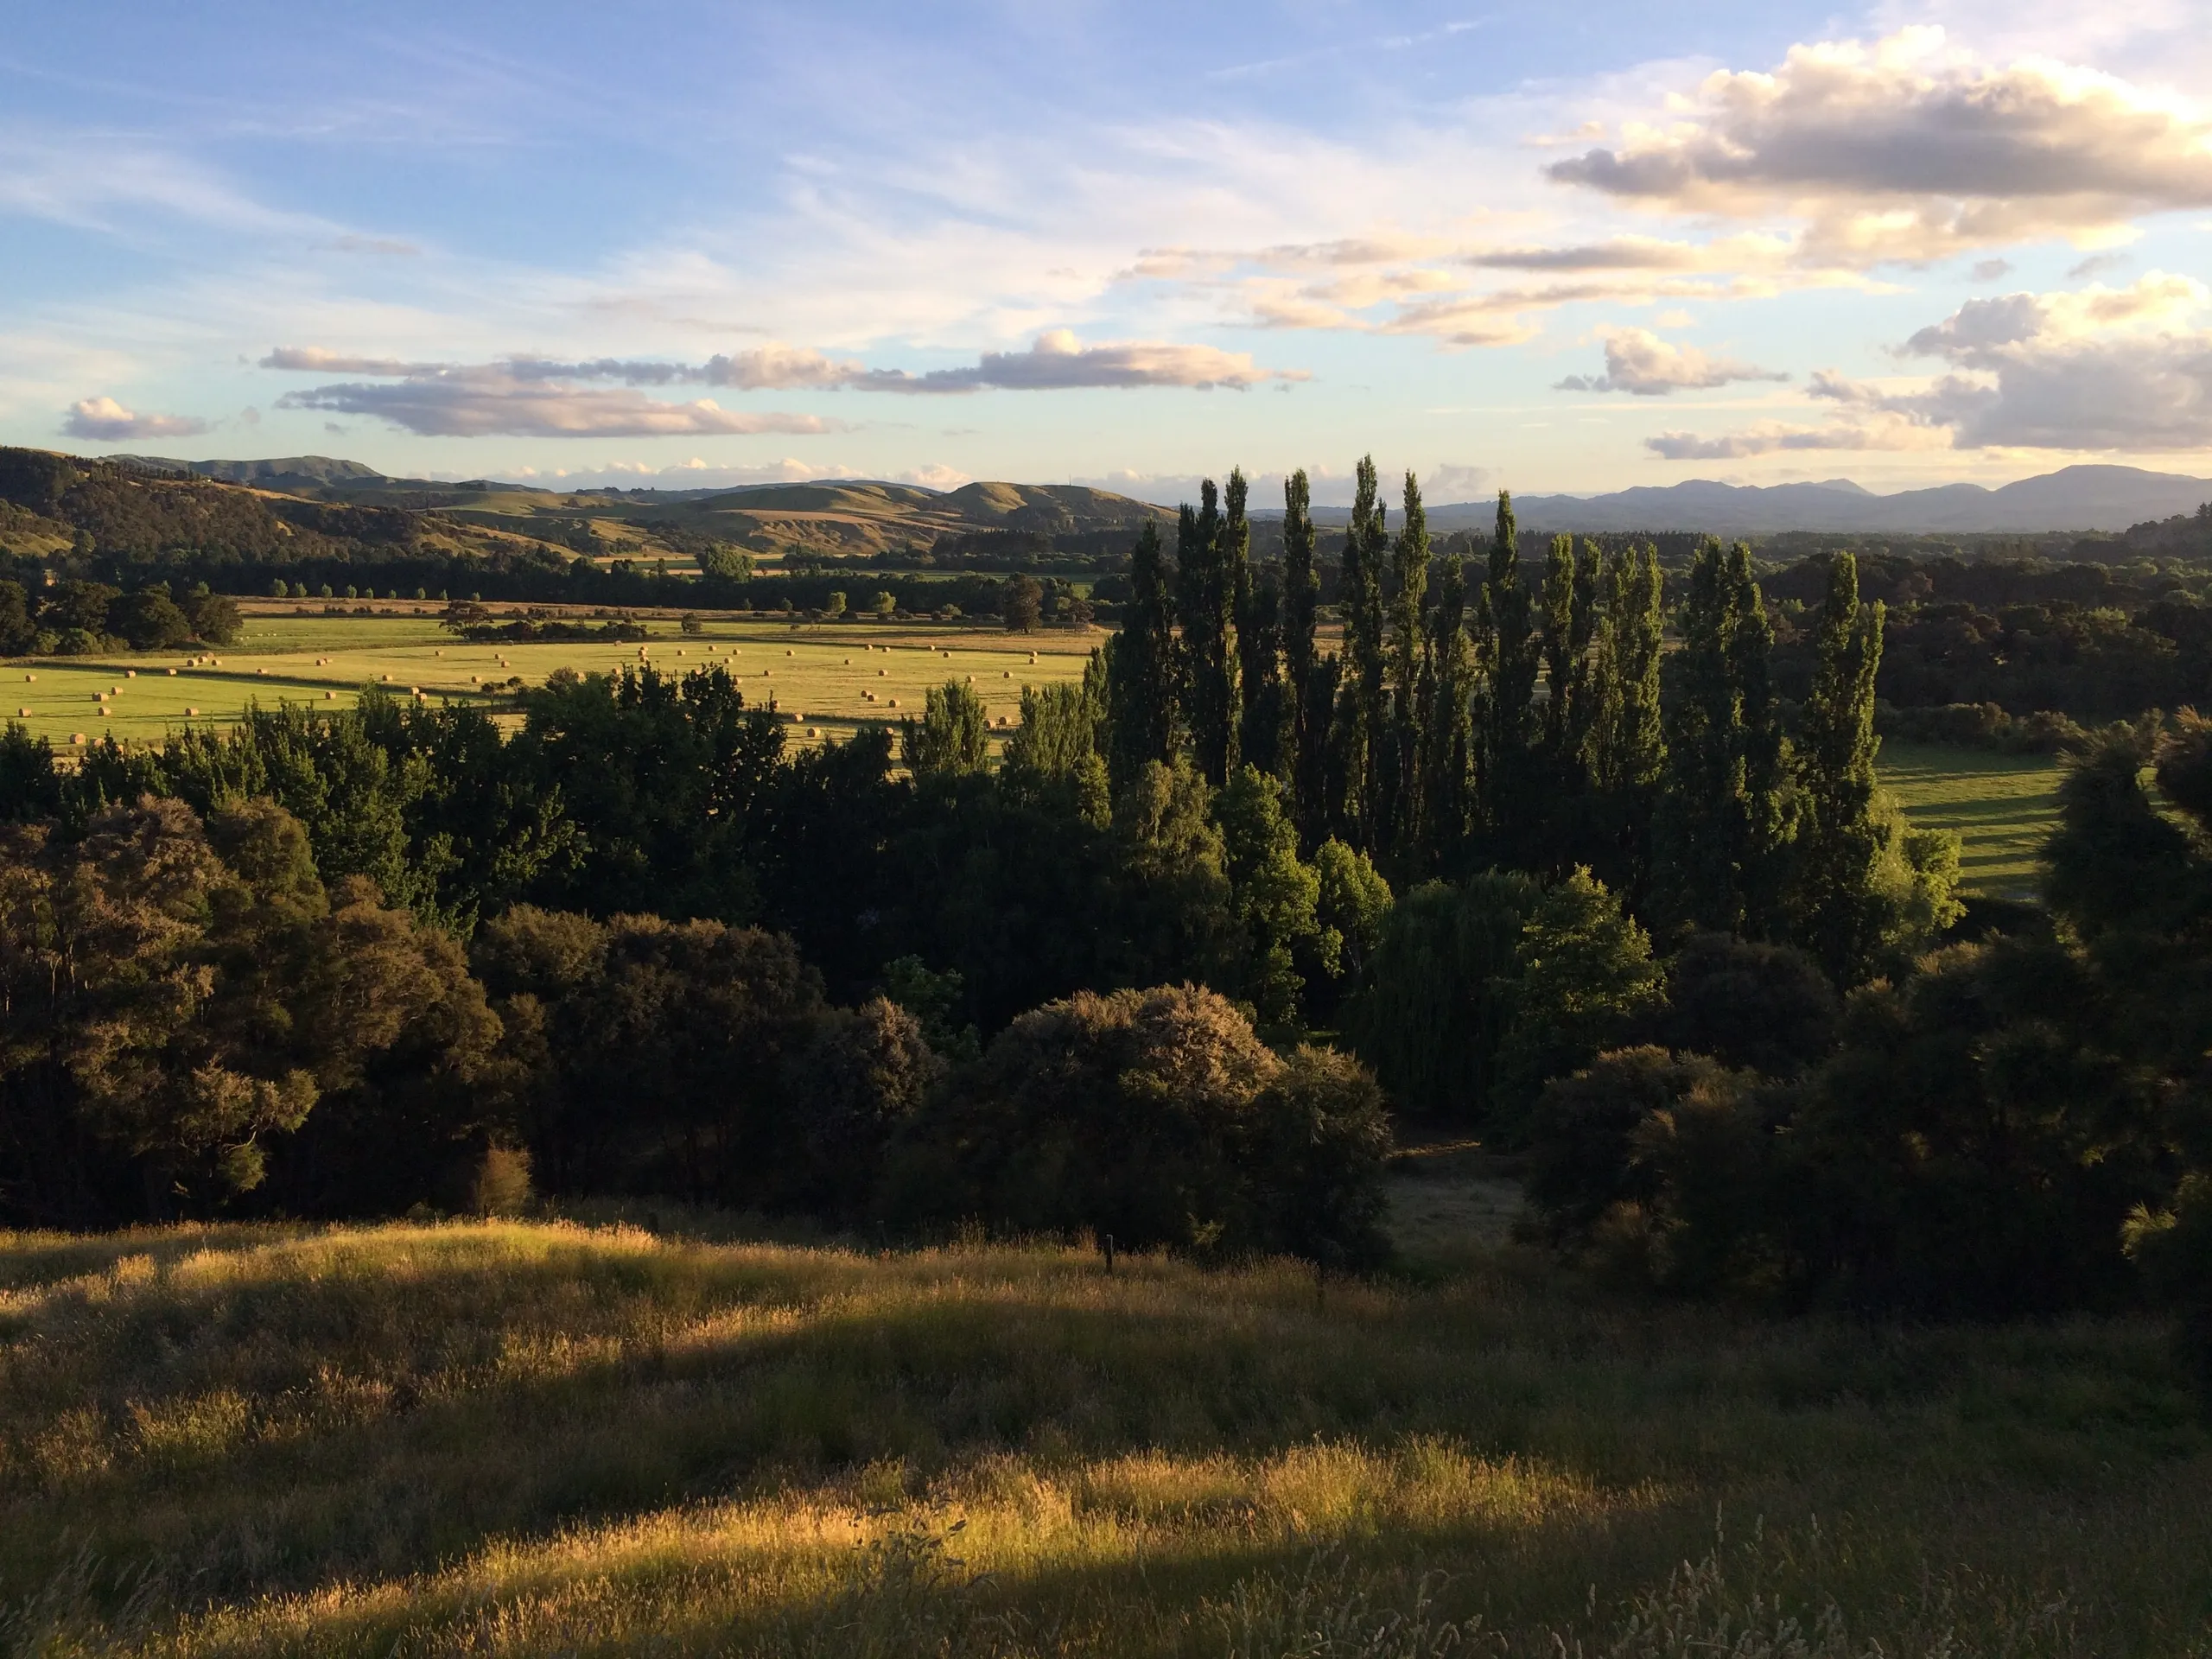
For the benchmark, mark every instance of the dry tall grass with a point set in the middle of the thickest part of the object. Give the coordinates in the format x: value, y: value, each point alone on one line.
x: 507, y: 1437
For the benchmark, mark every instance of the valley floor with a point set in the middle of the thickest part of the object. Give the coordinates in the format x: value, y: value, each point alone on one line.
x: 550, y: 1438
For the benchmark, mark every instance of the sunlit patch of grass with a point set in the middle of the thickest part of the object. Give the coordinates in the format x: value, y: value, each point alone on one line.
x: 837, y: 677
x: 2002, y: 807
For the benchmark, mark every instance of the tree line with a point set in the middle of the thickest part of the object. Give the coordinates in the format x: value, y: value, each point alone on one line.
x: 1550, y: 856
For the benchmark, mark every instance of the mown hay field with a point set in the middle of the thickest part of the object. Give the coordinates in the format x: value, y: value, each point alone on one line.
x: 540, y: 1438
x: 831, y: 678
x: 2003, y: 808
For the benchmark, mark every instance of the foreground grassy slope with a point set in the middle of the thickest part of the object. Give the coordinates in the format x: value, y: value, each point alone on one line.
x: 530, y: 1439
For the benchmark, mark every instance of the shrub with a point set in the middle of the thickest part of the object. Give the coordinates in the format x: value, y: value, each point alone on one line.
x: 1763, y: 1006
x: 1477, y: 994
x: 1159, y: 1117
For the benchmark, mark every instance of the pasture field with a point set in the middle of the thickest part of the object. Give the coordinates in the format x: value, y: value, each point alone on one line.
x: 538, y: 1438
x: 2003, y: 806
x: 830, y: 678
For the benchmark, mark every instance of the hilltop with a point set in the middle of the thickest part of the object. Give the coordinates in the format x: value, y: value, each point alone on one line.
x: 832, y: 515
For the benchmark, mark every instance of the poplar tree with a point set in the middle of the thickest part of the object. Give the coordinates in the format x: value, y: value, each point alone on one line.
x: 1628, y: 748
x: 1140, y: 690
x: 1307, y: 701
x: 1569, y: 595
x: 1701, y: 829
x: 1205, y: 592
x: 1721, y: 827
x: 1766, y: 827
x: 1261, y: 741
x: 1836, y: 912
x: 1408, y: 668
x: 1447, y: 730
x: 1509, y: 660
x: 1359, y: 726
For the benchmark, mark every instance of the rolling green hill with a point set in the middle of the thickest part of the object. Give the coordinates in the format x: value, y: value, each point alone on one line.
x: 138, y: 506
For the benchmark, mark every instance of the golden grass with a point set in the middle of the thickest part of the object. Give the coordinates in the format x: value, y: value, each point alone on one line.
x: 532, y: 1439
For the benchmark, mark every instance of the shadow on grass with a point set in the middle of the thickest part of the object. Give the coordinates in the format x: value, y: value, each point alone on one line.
x: 365, y: 1406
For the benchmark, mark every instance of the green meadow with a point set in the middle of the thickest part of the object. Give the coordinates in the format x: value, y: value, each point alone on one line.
x: 672, y: 1437
x: 2002, y: 807
x: 830, y: 678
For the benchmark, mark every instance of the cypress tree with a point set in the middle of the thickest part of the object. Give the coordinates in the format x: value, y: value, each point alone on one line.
x: 1836, y: 914
x: 1140, y: 690
x: 1408, y: 668
x: 1308, y: 703
x: 1508, y: 662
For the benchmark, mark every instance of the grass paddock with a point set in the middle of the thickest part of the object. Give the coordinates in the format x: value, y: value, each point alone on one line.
x: 2002, y: 806
x: 544, y: 1438
x: 830, y: 679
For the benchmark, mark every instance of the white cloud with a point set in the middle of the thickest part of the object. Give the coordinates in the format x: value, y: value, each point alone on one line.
x: 488, y: 402
x: 1908, y: 149
x: 105, y: 420
x: 1057, y: 361
x: 2100, y: 369
x: 1639, y: 362
x: 1879, y: 430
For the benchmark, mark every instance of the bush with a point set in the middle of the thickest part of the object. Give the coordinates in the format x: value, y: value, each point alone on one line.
x: 1158, y: 1118
x: 1763, y: 1007
x: 1477, y: 994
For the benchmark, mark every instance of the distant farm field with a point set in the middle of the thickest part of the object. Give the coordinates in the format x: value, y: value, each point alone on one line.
x: 2002, y: 807
x: 829, y: 680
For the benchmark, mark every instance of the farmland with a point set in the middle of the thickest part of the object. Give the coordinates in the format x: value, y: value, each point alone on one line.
x: 2002, y: 807
x: 829, y: 678
x: 528, y: 1438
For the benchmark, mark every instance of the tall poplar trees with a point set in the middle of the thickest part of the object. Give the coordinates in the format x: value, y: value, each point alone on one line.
x: 1258, y: 611
x: 1209, y: 553
x: 1720, y: 828
x: 1141, y: 677
x: 1447, y: 730
x: 1836, y: 912
x: 1509, y: 661
x: 1408, y: 669
x: 1309, y: 692
x: 1628, y: 748
x: 1359, y: 728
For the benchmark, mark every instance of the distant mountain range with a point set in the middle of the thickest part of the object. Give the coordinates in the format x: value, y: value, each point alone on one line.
x: 2088, y: 497
x: 2074, y: 498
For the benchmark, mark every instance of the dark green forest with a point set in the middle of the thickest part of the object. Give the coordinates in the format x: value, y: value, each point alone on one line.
x: 1552, y: 847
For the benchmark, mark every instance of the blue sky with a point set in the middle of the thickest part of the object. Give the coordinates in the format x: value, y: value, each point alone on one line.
x: 1549, y: 247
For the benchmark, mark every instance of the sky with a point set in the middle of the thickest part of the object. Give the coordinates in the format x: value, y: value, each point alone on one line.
x: 1538, y: 246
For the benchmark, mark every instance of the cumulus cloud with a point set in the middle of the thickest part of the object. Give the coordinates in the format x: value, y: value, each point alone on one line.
x: 2127, y: 369
x: 2101, y: 369
x: 105, y: 421
x: 1639, y: 362
x: 1906, y: 150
